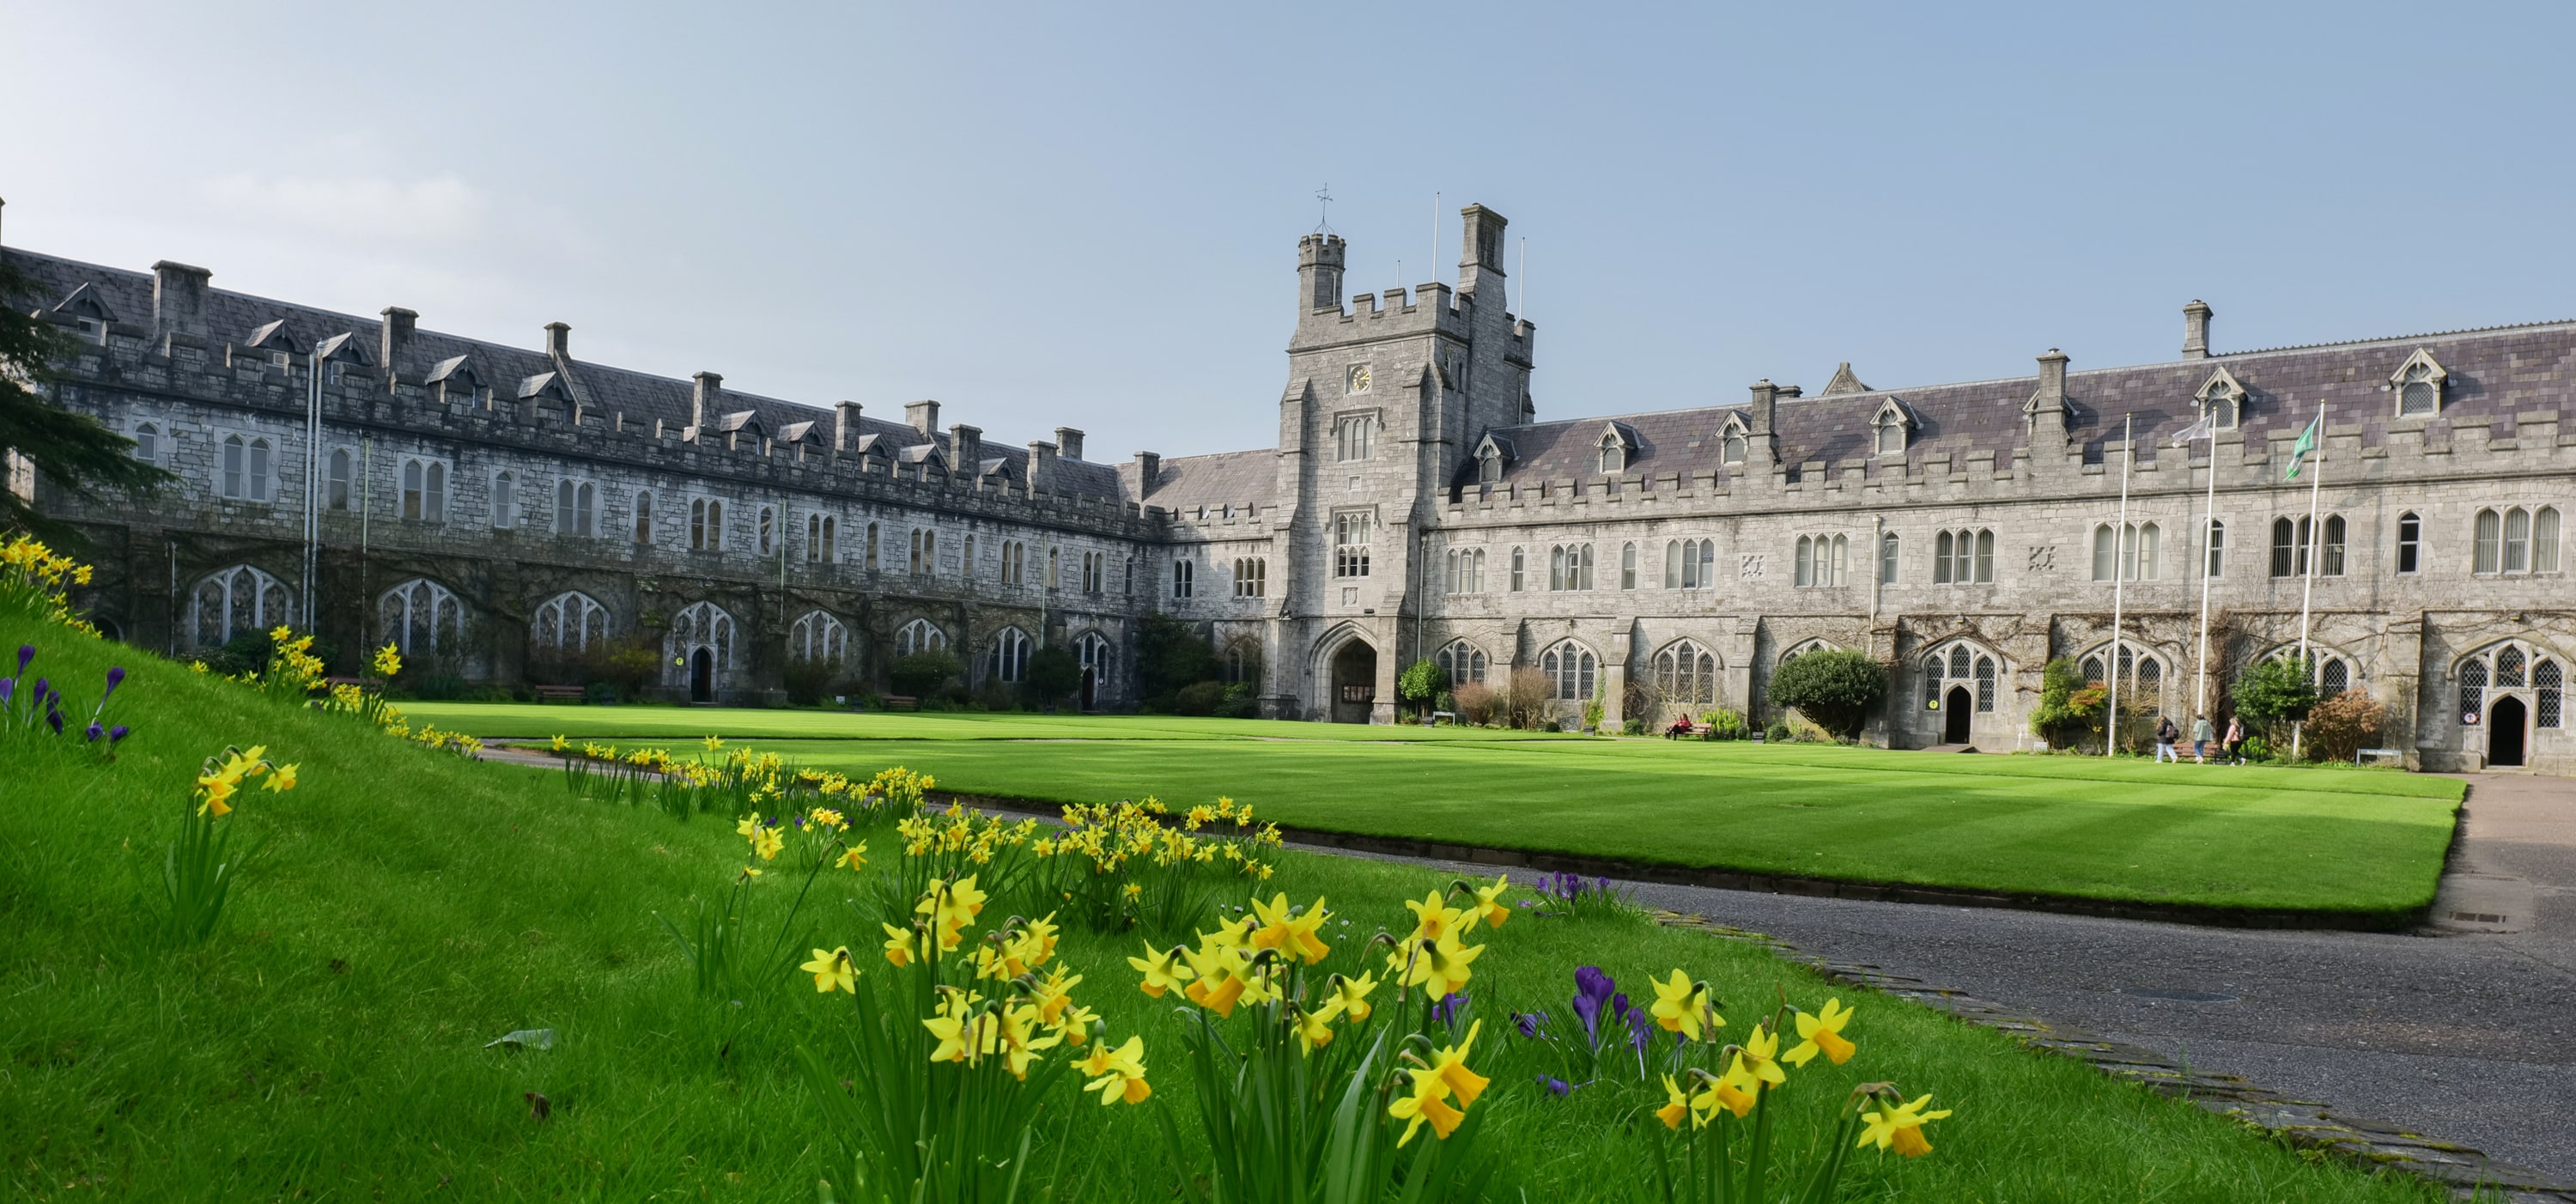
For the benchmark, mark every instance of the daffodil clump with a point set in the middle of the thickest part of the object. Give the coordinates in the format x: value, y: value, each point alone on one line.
x: 38, y: 579
x: 198, y: 868
x: 1307, y: 1072
x: 732, y: 781
x: 959, y: 1037
x: 1127, y: 864
x: 727, y: 959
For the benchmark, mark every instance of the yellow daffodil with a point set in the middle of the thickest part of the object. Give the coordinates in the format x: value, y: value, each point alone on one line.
x: 1315, y: 1028
x: 1682, y: 1006
x: 1761, y: 1057
x: 833, y: 971
x: 1018, y: 1040
x: 713, y: 743
x: 561, y: 743
x: 1351, y: 994
x: 1488, y: 908
x: 1822, y: 1033
x: 1737, y: 1089
x: 966, y: 1034
x: 1163, y: 969
x: 767, y: 842
x: 899, y: 945
x: 855, y: 856
x: 281, y: 781
x: 1427, y: 1102
x: 1899, y: 1127
x: 1441, y: 967
x: 1117, y: 1074
x: 1074, y: 1023
x: 750, y: 824
x: 1451, y: 1065
x: 1677, y: 1106
x: 1433, y: 918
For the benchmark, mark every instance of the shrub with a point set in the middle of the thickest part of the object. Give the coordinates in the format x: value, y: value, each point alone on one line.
x: 1778, y: 733
x: 1592, y: 711
x: 809, y: 678
x: 1170, y: 654
x: 2056, y: 713
x: 921, y: 673
x: 2278, y: 691
x: 1475, y: 703
x: 1726, y: 722
x: 1420, y: 683
x: 1241, y: 702
x: 1053, y: 673
x: 2344, y: 725
x: 1199, y: 698
x: 1633, y: 727
x: 1527, y: 697
x: 1835, y: 687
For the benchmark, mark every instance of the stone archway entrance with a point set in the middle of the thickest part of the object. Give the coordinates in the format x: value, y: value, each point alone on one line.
x: 1354, y: 682
x: 2505, y: 723
x: 702, y: 675
x: 1954, y: 723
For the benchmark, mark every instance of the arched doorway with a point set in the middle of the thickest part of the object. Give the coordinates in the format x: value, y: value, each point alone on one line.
x: 1354, y: 682
x: 702, y: 675
x: 2505, y: 724
x: 1090, y: 688
x: 1958, y: 706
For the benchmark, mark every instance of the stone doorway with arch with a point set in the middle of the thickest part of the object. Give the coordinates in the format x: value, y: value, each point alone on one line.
x: 1958, y: 710
x: 1354, y: 681
x: 702, y: 675
x: 2508, y: 730
x: 2514, y: 689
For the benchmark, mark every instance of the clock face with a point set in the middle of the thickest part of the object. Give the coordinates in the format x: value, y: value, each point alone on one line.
x: 1359, y: 378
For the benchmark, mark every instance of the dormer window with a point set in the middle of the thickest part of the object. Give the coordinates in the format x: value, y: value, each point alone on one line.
x: 1732, y: 441
x: 1614, y: 454
x: 1890, y: 429
x: 2222, y: 400
x: 2418, y: 384
x: 1489, y: 468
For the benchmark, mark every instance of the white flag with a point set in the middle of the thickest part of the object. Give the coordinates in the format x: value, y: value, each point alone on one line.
x: 2202, y: 429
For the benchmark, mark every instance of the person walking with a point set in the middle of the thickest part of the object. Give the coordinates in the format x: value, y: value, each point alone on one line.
x: 2235, y: 740
x: 2200, y: 737
x: 2166, y: 734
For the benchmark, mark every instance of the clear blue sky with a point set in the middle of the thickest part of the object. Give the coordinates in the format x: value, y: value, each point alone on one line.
x: 1086, y: 214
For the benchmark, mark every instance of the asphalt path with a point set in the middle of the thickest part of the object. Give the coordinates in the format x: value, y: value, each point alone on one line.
x: 2465, y: 1031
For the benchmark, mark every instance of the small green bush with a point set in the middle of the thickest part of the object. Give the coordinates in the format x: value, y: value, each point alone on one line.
x: 1420, y: 683
x: 922, y: 673
x: 1835, y: 687
x: 1199, y: 698
x: 1053, y: 673
x: 2276, y: 693
x: 1778, y: 733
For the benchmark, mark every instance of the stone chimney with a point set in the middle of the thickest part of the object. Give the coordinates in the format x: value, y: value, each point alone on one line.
x: 1068, y: 443
x: 2195, y: 330
x: 845, y: 426
x: 559, y: 340
x: 1149, y: 465
x: 2046, y: 410
x: 179, y: 298
x: 1041, y: 459
x: 705, y: 398
x: 393, y: 340
x: 966, y: 450
x: 922, y: 416
x: 1766, y: 401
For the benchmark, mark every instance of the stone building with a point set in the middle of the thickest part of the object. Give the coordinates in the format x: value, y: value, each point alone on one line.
x: 518, y: 503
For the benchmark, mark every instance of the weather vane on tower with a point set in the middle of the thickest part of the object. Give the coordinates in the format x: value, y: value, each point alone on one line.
x: 1324, y: 217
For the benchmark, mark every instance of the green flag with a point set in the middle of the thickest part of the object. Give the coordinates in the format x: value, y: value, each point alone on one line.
x: 2307, y: 443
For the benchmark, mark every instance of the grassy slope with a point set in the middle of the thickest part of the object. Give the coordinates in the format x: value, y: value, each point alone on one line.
x: 412, y: 906
x: 2131, y: 830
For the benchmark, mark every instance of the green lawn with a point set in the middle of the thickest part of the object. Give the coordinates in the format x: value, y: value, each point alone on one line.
x: 2250, y: 837
x: 409, y: 906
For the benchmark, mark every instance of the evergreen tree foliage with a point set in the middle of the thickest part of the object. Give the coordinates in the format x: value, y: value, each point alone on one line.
x: 70, y: 451
x: 1836, y: 687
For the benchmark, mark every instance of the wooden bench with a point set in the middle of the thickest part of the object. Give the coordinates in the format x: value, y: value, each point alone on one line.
x: 900, y: 702
x: 559, y: 693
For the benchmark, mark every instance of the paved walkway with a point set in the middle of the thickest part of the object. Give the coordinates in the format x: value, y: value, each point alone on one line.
x: 2465, y: 1032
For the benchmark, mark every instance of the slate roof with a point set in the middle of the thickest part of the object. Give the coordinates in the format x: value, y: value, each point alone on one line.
x: 1241, y: 478
x: 641, y: 396
x: 2494, y: 374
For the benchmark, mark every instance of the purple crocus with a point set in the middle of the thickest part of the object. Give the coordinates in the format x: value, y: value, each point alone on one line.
x: 117, y: 733
x: 1640, y: 1027
x: 1592, y: 989
x: 1447, y: 1009
x: 26, y: 652
x: 1529, y: 1022
x: 8, y: 686
x: 93, y: 732
x: 115, y: 678
x: 54, y: 720
x: 1556, y: 1087
x: 44, y: 686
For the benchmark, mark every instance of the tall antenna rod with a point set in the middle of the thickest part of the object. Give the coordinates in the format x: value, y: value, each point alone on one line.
x: 1523, y: 273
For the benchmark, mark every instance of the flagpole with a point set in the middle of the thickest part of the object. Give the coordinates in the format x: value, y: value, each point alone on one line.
x: 2208, y: 514
x: 2316, y: 546
x: 2120, y: 553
